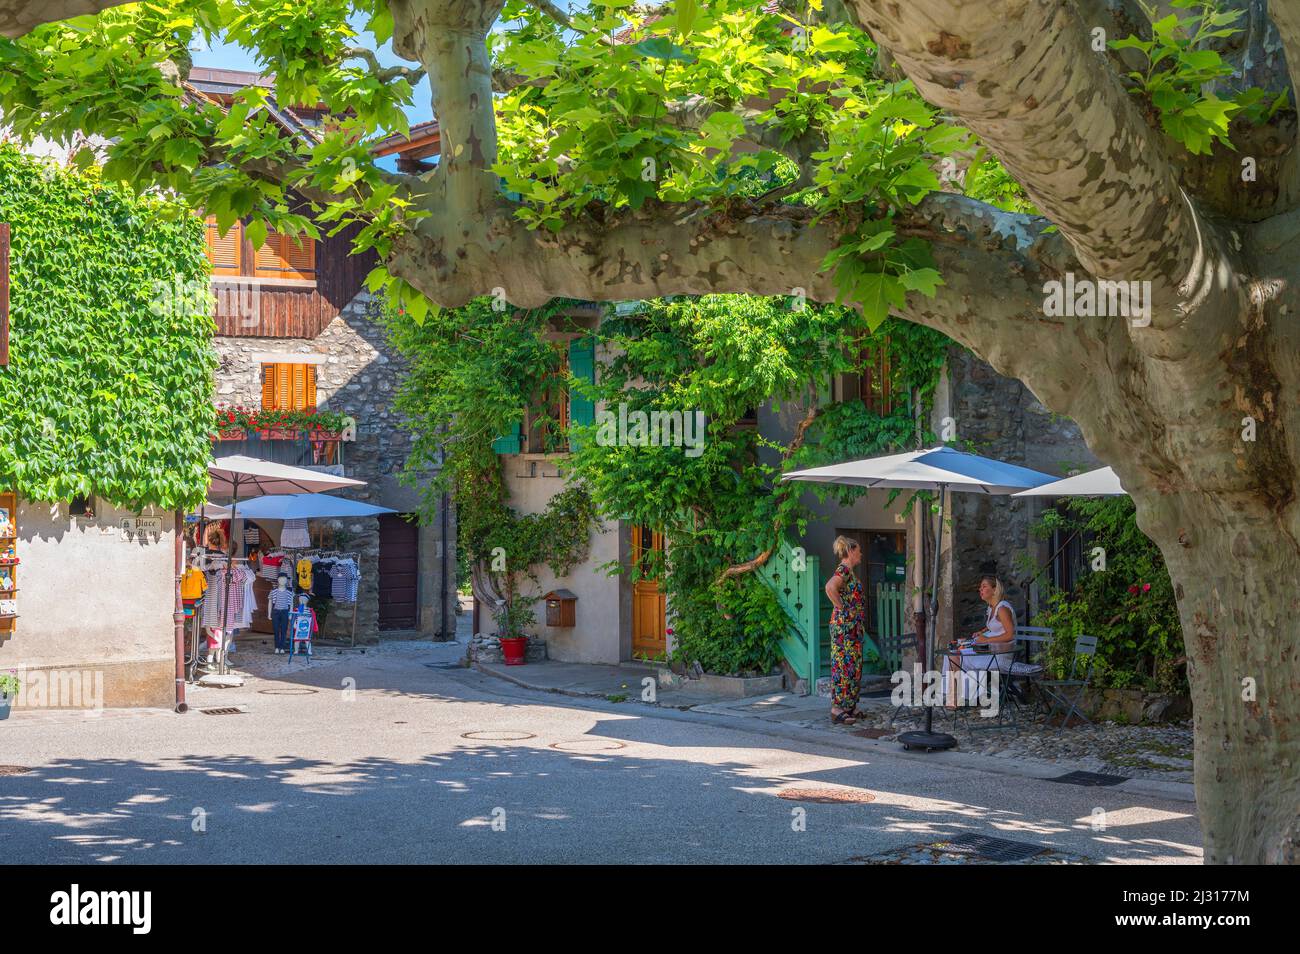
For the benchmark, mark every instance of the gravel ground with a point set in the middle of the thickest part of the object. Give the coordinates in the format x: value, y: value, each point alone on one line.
x: 1134, y: 751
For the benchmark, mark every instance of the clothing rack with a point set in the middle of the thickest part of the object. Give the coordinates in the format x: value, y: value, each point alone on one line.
x: 297, y: 553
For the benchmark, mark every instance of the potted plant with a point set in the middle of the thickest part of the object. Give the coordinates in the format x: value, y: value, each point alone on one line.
x: 513, y: 616
x: 9, y: 686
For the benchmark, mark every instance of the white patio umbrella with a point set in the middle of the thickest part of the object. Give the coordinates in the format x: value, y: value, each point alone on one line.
x: 1101, y: 482
x: 237, y: 476
x: 939, y: 469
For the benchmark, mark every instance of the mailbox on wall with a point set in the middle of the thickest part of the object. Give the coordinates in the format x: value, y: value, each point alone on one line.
x: 561, y: 608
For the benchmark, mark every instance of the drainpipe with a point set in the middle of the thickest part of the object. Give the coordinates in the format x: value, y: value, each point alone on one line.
x: 178, y: 613
x: 442, y: 605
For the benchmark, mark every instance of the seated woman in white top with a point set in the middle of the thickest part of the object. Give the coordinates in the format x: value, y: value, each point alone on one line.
x: 992, y: 645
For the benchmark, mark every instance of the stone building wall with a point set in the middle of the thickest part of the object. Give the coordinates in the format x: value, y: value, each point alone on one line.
x: 1002, y: 419
x: 358, y: 375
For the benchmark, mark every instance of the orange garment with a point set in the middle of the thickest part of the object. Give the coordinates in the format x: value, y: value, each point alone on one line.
x: 193, y: 584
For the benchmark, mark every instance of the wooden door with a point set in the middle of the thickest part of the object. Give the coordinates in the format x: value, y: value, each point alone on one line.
x: 649, y: 636
x: 399, y: 567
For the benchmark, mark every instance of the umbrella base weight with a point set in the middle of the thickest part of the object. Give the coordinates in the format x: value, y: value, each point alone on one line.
x: 929, y: 741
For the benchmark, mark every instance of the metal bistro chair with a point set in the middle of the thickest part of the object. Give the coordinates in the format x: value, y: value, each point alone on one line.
x: 894, y: 648
x: 1035, y: 640
x: 1068, y: 693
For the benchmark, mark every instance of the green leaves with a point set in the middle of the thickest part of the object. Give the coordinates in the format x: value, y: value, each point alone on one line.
x: 1180, y: 70
x: 109, y: 389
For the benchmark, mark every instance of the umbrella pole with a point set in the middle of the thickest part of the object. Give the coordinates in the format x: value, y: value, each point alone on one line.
x: 225, y: 584
x: 928, y: 739
x: 932, y: 617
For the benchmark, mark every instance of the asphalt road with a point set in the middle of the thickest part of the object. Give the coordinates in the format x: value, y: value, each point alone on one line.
x: 385, y: 758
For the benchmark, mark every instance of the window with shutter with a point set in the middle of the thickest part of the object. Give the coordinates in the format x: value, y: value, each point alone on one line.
x: 289, y: 387
x: 582, y: 365
x: 876, y: 383
x: 223, y: 250
x: 282, y: 257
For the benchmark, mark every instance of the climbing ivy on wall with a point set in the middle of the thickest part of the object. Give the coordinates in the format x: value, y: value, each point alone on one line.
x: 471, y: 374
x: 109, y: 386
x: 721, y: 505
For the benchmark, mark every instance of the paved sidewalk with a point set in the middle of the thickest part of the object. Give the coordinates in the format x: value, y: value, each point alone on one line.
x: 790, y: 716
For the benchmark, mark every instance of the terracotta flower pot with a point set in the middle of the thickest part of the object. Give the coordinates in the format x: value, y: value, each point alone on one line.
x: 514, y: 648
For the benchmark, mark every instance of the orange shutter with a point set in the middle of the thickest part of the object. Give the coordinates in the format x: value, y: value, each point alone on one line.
x: 269, y: 259
x: 268, y: 387
x: 299, y: 387
x: 299, y: 261
x: 284, y: 386
x: 289, y: 387
x: 223, y: 250
x: 281, y: 257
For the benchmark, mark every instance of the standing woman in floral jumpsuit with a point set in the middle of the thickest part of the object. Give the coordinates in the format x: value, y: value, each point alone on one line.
x: 848, y: 627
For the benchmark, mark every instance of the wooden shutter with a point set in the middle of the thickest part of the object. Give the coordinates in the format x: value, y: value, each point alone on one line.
x: 299, y: 261
x: 509, y: 442
x: 270, y: 259
x: 223, y: 250
x: 582, y: 365
x: 281, y: 257
x: 289, y: 387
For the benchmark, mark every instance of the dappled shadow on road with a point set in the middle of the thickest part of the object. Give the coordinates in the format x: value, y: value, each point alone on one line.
x: 684, y: 772
x: 586, y: 797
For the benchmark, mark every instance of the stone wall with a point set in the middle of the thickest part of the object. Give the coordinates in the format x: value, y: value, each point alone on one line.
x: 1003, y: 420
x: 358, y: 375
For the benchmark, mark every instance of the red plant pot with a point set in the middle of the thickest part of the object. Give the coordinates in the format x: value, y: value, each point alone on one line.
x: 514, y: 648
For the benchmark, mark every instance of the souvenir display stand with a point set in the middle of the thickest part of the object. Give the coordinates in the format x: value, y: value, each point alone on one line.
x: 8, y: 565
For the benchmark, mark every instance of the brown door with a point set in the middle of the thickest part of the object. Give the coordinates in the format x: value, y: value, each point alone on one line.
x: 648, y: 604
x: 399, y: 559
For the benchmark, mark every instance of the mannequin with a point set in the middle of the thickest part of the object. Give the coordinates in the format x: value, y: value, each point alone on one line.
x: 279, y: 603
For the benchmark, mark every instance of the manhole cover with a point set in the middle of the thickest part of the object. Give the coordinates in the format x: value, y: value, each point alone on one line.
x: 989, y: 848
x: 454, y: 665
x: 224, y: 710
x: 588, y: 745
x: 497, y: 736
x: 764, y: 706
x: 1090, y: 779
x: 874, y: 733
x: 827, y: 796
x: 300, y: 691
x: 15, y: 769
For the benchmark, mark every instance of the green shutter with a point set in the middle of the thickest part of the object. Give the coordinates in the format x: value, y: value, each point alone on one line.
x: 509, y: 443
x: 582, y: 365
